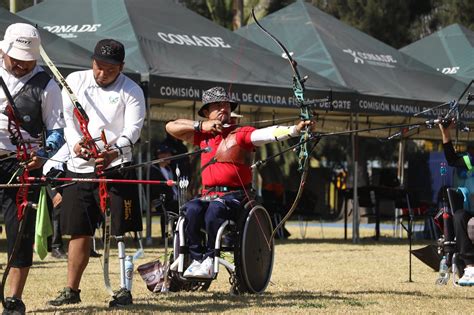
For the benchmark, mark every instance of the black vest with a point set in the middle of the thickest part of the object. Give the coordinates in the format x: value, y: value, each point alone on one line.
x: 28, y: 104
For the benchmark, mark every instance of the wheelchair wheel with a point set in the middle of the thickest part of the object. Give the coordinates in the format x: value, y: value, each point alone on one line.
x: 254, y: 252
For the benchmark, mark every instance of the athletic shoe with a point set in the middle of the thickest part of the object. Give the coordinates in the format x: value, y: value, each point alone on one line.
x: 14, y: 306
x: 122, y: 297
x: 66, y: 296
x: 468, y: 277
x: 194, y: 270
x: 207, y: 268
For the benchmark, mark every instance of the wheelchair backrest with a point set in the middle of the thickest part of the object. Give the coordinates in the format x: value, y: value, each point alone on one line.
x: 455, y: 199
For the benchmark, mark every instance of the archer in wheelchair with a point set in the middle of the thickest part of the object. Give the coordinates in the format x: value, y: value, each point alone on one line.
x: 458, y: 248
x: 226, y: 199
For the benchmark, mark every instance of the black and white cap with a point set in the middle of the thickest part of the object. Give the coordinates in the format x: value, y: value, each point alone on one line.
x: 215, y: 95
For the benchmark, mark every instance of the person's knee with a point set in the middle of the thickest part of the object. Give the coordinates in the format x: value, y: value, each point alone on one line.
x: 193, y: 209
x: 192, y: 215
x: 217, y: 210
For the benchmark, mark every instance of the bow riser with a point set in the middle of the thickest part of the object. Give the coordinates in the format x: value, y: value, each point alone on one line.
x: 22, y: 154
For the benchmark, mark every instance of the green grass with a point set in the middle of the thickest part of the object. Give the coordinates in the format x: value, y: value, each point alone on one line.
x: 311, y: 275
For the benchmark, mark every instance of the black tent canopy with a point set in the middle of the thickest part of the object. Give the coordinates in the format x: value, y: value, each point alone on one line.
x: 178, y: 52
x: 389, y: 82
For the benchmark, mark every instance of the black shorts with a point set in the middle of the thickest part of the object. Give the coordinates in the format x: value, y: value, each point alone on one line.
x: 24, y: 257
x: 80, y: 208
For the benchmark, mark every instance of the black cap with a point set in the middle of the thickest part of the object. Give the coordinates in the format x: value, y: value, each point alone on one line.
x: 163, y: 148
x: 109, y: 51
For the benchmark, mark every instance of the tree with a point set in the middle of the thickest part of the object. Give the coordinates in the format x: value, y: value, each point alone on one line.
x: 389, y: 21
x: 447, y: 12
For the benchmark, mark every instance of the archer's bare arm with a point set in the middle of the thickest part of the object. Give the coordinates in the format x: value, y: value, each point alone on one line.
x: 182, y: 129
x: 446, y: 132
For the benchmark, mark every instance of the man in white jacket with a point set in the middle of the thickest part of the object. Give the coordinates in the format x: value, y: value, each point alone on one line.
x: 115, y: 106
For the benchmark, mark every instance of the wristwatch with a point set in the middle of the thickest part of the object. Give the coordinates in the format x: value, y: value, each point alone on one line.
x: 197, y: 125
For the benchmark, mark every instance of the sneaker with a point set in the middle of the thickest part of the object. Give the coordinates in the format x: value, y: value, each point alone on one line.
x: 14, y: 306
x: 468, y: 277
x: 66, y: 296
x: 193, y: 270
x: 58, y: 253
x: 122, y: 297
x: 207, y: 268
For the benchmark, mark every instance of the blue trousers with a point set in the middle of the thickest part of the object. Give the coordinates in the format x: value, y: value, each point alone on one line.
x: 209, y: 215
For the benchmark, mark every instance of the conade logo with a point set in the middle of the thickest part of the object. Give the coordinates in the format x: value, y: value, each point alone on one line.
x: 371, y: 58
x: 193, y: 40
x: 449, y: 70
x: 70, y: 31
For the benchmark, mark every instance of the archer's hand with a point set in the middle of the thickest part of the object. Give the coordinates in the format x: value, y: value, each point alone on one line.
x: 35, y: 162
x: 57, y: 199
x: 212, y: 126
x: 446, y: 131
x: 104, y: 159
x: 81, y: 150
x: 302, y: 124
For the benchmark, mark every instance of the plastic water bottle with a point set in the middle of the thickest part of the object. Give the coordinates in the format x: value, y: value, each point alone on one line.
x: 443, y: 268
x: 443, y: 277
x: 128, y: 272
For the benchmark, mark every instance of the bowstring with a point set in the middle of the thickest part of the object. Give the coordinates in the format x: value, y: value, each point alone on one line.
x: 229, y: 90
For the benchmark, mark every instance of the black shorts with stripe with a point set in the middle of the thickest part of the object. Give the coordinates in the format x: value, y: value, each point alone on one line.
x: 80, y: 209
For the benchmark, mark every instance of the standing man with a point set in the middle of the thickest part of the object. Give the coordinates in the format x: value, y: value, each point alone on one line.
x: 115, y: 105
x: 39, y: 111
x: 226, y: 172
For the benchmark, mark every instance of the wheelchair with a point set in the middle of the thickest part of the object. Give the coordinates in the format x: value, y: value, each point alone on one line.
x: 252, y: 249
x: 451, y: 262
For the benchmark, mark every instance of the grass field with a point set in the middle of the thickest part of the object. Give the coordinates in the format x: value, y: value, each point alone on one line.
x: 311, y: 275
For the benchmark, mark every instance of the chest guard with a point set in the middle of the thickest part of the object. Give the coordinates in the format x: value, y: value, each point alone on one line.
x: 229, y: 151
x: 28, y: 104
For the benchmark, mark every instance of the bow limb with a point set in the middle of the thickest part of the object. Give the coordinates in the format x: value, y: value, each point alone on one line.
x: 305, y: 114
x: 89, y: 142
x: 299, y: 194
x: 293, y: 64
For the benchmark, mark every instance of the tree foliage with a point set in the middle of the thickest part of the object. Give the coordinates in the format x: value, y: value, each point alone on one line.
x: 447, y: 12
x: 399, y: 23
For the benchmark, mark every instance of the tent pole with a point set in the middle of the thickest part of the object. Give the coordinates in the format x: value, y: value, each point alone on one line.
x: 145, y: 200
x: 401, y: 161
x: 355, y: 197
x: 401, y: 178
